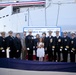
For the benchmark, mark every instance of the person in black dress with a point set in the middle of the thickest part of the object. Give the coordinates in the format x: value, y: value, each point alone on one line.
x: 45, y: 45
x: 36, y: 40
x: 18, y: 46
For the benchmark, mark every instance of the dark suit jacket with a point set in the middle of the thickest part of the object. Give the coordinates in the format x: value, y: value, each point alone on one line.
x: 50, y: 42
x: 73, y: 44
x: 17, y: 43
x: 3, y: 43
x: 66, y: 42
x: 58, y: 43
x: 10, y: 42
x: 29, y: 41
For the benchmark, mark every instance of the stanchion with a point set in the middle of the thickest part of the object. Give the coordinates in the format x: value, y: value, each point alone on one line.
x: 7, y: 52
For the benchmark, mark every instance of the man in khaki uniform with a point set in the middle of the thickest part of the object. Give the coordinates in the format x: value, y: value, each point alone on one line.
x: 24, y: 51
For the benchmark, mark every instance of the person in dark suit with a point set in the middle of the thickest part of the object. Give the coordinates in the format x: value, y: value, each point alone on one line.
x: 58, y: 46
x: 2, y: 45
x: 66, y: 43
x: 50, y: 46
x: 72, y: 47
x: 18, y: 46
x: 30, y: 45
x: 36, y: 40
x: 10, y: 44
x: 45, y: 44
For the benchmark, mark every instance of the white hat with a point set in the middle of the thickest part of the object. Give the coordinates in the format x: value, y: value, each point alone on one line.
x: 72, y: 32
x: 30, y: 30
x: 64, y: 31
x: 50, y: 31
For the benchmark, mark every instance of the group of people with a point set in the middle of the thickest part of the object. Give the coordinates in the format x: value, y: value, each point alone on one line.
x: 52, y: 46
x: 42, y: 46
x: 11, y: 43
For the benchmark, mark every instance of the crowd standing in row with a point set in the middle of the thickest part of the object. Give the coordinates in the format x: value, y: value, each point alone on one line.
x: 43, y: 46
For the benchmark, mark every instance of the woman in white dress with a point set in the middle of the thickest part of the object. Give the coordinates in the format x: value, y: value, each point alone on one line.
x: 40, y: 50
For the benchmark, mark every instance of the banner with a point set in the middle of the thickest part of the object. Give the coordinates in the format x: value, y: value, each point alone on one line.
x: 17, y: 64
x: 40, y: 30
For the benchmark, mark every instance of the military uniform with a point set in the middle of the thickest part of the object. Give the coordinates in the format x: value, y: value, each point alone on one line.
x: 18, y: 47
x: 50, y: 47
x: 66, y: 43
x: 2, y: 47
x: 72, y: 49
x: 10, y: 45
x: 29, y: 45
x: 58, y: 47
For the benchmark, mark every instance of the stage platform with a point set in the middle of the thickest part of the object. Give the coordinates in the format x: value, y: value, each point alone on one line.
x: 37, y: 66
